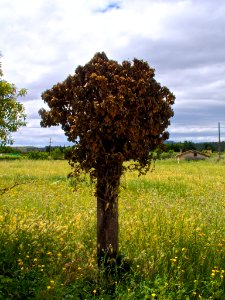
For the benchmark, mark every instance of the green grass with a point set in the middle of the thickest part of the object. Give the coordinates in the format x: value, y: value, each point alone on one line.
x: 172, y: 231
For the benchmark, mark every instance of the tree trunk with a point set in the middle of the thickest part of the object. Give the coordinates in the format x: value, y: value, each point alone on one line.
x: 108, y: 181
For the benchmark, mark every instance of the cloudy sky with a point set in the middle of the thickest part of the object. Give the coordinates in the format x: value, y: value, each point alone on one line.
x: 43, y: 41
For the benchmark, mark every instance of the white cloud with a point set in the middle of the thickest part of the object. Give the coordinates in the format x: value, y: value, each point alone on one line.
x: 184, y: 40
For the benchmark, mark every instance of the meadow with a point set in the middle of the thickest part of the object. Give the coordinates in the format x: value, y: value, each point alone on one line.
x: 172, y: 233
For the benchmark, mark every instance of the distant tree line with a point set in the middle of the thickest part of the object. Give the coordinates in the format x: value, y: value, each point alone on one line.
x: 188, y: 145
x: 35, y: 153
x: 59, y: 152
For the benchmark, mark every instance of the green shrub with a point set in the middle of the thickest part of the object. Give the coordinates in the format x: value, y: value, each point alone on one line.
x: 57, y: 154
x: 38, y: 155
x: 9, y: 157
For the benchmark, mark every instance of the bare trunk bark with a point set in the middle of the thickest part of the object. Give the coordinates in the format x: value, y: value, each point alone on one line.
x: 108, y: 181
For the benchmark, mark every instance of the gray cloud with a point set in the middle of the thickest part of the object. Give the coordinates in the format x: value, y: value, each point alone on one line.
x: 184, y: 40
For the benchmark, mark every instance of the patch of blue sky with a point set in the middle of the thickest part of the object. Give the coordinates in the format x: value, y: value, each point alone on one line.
x: 110, y: 6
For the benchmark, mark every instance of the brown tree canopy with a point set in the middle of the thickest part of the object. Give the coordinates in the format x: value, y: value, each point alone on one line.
x: 111, y: 111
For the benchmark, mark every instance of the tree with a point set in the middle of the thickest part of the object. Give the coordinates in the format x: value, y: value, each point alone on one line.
x: 207, y: 146
x: 113, y: 113
x: 12, y: 114
x: 188, y: 145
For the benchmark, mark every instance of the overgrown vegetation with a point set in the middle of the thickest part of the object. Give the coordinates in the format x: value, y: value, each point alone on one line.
x: 173, y: 233
x: 56, y: 153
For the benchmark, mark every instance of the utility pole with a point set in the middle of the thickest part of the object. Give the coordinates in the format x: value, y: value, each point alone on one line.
x: 50, y: 145
x: 219, y: 145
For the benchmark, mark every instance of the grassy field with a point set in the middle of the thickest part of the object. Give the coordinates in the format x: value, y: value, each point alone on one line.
x: 172, y: 231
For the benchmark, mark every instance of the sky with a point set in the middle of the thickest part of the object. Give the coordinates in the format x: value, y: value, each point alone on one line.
x: 43, y: 41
